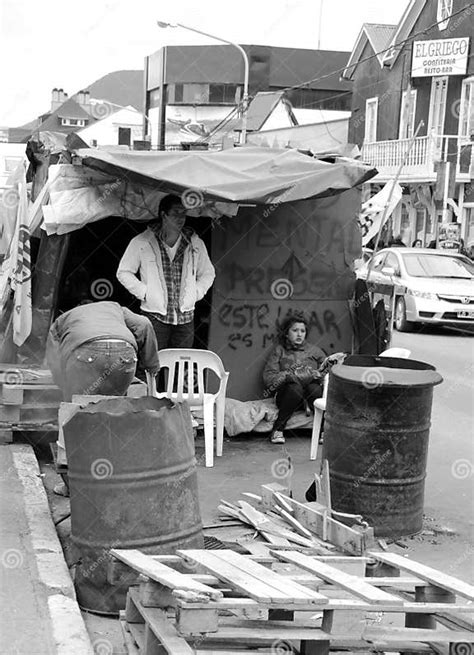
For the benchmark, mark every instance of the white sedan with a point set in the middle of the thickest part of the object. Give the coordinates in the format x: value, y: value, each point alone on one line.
x: 431, y: 286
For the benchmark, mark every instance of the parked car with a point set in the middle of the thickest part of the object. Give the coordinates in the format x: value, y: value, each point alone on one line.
x: 431, y: 286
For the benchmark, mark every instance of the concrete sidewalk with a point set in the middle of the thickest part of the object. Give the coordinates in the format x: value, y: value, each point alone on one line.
x: 39, y: 614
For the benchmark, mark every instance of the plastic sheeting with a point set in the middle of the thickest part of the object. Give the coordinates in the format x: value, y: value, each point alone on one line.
x: 243, y: 175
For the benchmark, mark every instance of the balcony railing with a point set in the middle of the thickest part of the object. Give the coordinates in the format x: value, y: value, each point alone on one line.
x: 420, y: 161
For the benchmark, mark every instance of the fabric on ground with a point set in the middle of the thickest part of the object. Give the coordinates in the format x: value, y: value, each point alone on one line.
x: 258, y: 416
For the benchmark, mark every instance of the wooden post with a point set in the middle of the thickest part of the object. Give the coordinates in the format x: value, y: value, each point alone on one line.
x: 309, y: 647
x: 428, y: 594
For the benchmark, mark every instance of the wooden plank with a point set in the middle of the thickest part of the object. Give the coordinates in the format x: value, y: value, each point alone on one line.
x: 424, y: 572
x: 389, y: 635
x: 253, y: 579
x: 294, y: 523
x: 338, y: 604
x: 133, y: 637
x: 162, y: 573
x: 314, y: 517
x: 265, y: 631
x: 6, y: 436
x: 10, y: 413
x: 163, y: 629
x: 11, y: 395
x: 264, y: 524
x: 357, y: 586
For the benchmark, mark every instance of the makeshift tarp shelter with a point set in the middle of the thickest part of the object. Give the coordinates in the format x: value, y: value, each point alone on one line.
x: 285, y: 235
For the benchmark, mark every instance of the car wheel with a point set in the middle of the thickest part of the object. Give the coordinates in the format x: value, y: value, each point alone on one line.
x: 401, y: 322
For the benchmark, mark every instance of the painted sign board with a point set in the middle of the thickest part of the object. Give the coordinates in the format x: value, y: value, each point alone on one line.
x: 440, y: 57
x: 272, y: 261
x: 449, y: 236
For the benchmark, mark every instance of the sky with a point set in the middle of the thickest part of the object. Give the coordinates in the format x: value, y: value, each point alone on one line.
x: 59, y: 43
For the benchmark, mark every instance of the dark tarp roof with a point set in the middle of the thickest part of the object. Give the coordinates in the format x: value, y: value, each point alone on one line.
x: 248, y: 174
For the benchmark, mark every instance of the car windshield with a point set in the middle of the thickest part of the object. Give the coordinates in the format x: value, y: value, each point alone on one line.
x: 424, y: 265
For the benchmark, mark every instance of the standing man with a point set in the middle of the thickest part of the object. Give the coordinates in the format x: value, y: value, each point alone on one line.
x: 94, y: 349
x: 174, y: 273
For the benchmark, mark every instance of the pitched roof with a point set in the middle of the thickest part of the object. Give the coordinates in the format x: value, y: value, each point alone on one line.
x: 404, y: 27
x: 69, y: 109
x: 379, y: 37
x: 261, y: 107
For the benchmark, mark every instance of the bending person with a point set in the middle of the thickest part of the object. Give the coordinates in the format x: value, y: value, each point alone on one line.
x: 94, y: 349
x: 291, y: 373
x: 174, y: 272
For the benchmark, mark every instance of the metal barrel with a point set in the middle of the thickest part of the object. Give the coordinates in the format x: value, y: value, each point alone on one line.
x: 133, y: 484
x: 376, y: 431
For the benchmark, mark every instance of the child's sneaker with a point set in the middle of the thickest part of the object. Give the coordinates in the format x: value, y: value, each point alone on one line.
x: 277, y: 437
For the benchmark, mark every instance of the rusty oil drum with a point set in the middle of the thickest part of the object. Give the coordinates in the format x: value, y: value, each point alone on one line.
x: 133, y: 484
x: 376, y: 429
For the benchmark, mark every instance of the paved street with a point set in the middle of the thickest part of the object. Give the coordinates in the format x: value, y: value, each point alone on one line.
x: 449, y: 485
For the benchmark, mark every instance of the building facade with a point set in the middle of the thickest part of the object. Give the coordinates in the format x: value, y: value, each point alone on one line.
x: 413, y: 114
x: 193, y: 90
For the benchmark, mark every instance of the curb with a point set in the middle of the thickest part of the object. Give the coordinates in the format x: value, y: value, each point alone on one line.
x: 69, y: 630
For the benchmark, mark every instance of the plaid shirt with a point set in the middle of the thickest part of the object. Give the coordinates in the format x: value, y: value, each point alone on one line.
x: 172, y: 271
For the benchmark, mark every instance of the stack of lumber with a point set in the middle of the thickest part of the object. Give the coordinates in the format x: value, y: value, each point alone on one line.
x: 283, y: 521
x: 226, y: 603
x: 29, y: 401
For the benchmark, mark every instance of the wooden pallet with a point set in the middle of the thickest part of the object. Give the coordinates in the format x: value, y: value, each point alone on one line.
x: 27, y: 404
x: 288, y: 600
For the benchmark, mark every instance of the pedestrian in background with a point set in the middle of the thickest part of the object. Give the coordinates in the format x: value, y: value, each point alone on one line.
x: 94, y: 349
x: 174, y: 272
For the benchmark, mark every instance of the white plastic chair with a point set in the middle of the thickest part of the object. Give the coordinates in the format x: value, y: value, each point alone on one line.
x: 186, y: 371
x: 320, y: 403
x: 319, y: 409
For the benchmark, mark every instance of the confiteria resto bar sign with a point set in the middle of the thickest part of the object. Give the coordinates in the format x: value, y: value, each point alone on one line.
x: 440, y: 57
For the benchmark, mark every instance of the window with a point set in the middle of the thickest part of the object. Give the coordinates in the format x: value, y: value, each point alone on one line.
x: 228, y: 94
x: 466, y: 109
x: 439, y: 90
x: 371, y: 107
x: 392, y: 262
x: 407, y: 114
x: 73, y: 122
x: 445, y: 9
x: 378, y: 261
x: 195, y: 94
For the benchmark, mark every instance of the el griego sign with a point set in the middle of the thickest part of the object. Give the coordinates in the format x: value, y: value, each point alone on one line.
x: 440, y: 57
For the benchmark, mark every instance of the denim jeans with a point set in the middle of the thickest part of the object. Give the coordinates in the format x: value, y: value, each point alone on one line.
x: 172, y: 336
x: 99, y: 367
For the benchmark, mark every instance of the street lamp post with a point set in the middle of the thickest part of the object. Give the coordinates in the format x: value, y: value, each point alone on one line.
x: 243, y: 133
